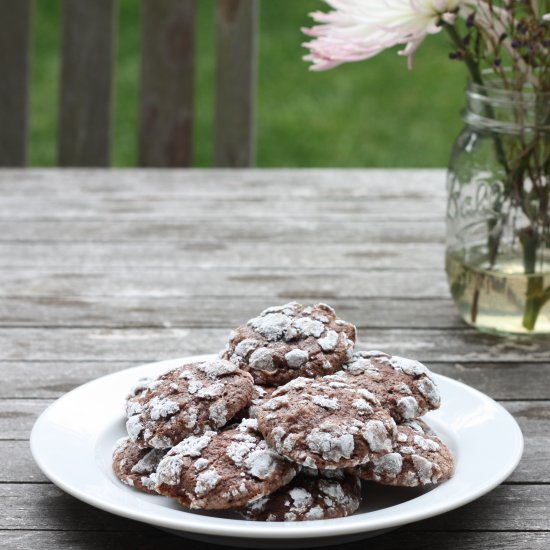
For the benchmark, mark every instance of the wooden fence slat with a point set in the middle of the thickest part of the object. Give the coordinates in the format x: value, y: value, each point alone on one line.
x: 15, y: 55
x: 166, y: 83
x: 236, y: 49
x: 88, y: 46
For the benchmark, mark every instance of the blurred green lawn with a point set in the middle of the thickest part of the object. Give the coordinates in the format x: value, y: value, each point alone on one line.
x: 375, y: 113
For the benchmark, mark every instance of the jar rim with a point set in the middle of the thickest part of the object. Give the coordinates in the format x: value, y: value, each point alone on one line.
x: 493, y: 107
x: 527, y: 95
x: 493, y: 87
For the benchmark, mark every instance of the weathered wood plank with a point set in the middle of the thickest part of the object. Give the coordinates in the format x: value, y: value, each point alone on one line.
x: 507, y: 508
x: 104, y: 207
x: 191, y: 312
x: 151, y: 344
x: 152, y: 539
x: 15, y: 58
x: 501, y: 380
x: 219, y: 229
x: 222, y: 255
x: 236, y: 68
x: 42, y: 363
x: 18, y: 465
x: 489, y: 512
x: 533, y: 419
x: 85, y: 109
x: 53, y: 509
x: 17, y: 417
x: 50, y: 379
x: 283, y: 285
x: 166, y: 83
x: 416, y: 185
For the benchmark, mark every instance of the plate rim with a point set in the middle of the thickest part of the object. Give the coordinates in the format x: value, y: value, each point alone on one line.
x: 221, y: 527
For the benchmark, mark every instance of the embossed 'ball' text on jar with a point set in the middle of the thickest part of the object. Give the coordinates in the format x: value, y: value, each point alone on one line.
x: 498, y: 216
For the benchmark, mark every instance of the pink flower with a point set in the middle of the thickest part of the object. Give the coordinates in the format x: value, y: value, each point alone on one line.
x: 360, y: 29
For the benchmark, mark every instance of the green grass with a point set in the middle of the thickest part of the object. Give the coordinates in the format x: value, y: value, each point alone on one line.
x: 374, y: 113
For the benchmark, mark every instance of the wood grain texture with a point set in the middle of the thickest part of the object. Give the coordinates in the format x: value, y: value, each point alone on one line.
x: 306, y: 184
x: 85, y: 109
x: 101, y: 271
x: 200, y: 312
x: 236, y: 53
x: 150, y: 344
x: 17, y: 417
x: 166, y: 83
x: 15, y: 58
x: 269, y: 211
x: 282, y: 285
x: 18, y: 465
x: 312, y: 231
x: 224, y: 255
x: 151, y: 539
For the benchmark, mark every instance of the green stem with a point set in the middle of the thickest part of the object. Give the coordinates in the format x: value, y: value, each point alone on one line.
x: 473, y: 67
x: 535, y: 297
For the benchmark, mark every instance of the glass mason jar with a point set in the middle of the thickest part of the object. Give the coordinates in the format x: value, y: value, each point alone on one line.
x: 498, y: 216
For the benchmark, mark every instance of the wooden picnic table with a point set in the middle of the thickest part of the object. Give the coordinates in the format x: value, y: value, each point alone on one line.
x: 102, y: 270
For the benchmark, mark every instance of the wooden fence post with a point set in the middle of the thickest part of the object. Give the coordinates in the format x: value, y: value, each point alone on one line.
x: 15, y: 56
x: 236, y: 52
x: 85, y: 110
x: 166, y: 83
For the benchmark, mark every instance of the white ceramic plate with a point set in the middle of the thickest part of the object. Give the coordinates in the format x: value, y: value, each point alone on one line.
x: 73, y: 439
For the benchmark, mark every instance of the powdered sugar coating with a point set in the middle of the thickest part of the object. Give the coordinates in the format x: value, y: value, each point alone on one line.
x: 271, y: 326
x: 223, y: 470
x: 296, y: 358
x: 407, y: 407
x: 417, y: 459
x: 308, y: 498
x: 261, y: 359
x: 135, y: 466
x: 307, y: 326
x: 403, y: 386
x: 188, y: 400
x: 289, y: 341
x: 326, y: 402
x: 206, y: 482
x: 320, y: 426
x: 328, y: 343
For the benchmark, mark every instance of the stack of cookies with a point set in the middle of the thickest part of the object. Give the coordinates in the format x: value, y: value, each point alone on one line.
x: 284, y: 424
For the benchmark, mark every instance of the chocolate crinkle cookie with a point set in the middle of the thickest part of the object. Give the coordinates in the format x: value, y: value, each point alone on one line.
x: 418, y: 459
x: 188, y: 400
x: 308, y: 498
x: 259, y: 395
x: 291, y: 341
x: 404, y: 387
x: 136, y: 466
x: 216, y: 471
x: 284, y: 423
x: 326, y: 423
